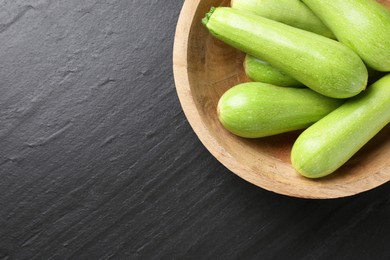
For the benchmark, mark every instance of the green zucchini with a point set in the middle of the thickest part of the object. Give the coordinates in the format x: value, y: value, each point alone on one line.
x: 258, y: 109
x: 362, y: 25
x: 329, y: 143
x: 322, y: 64
x: 261, y: 71
x: 291, y: 12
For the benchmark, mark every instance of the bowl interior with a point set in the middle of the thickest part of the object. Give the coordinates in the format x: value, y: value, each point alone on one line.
x: 204, y: 69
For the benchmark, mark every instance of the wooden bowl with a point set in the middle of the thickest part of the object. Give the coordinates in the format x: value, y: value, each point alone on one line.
x: 204, y: 68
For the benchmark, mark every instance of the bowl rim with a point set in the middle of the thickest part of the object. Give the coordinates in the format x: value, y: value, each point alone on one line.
x: 183, y: 89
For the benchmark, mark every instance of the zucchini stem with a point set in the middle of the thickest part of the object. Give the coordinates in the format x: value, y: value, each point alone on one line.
x: 206, y: 19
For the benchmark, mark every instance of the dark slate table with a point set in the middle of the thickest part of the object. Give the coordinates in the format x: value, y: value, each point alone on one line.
x: 97, y: 160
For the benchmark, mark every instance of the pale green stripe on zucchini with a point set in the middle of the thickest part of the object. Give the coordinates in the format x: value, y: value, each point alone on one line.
x: 328, y: 144
x: 257, y: 109
x: 322, y: 64
x: 261, y: 71
x: 362, y: 25
x: 291, y: 12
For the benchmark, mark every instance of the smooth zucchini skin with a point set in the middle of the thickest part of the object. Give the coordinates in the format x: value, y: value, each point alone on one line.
x: 329, y: 143
x: 362, y: 25
x: 258, y: 109
x: 261, y: 71
x: 291, y: 12
x: 322, y: 64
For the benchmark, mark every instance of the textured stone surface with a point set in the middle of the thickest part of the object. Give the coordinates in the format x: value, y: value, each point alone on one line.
x: 97, y: 160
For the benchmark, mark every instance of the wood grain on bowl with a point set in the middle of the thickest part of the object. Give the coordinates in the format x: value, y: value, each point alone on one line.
x: 385, y: 2
x: 204, y: 68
